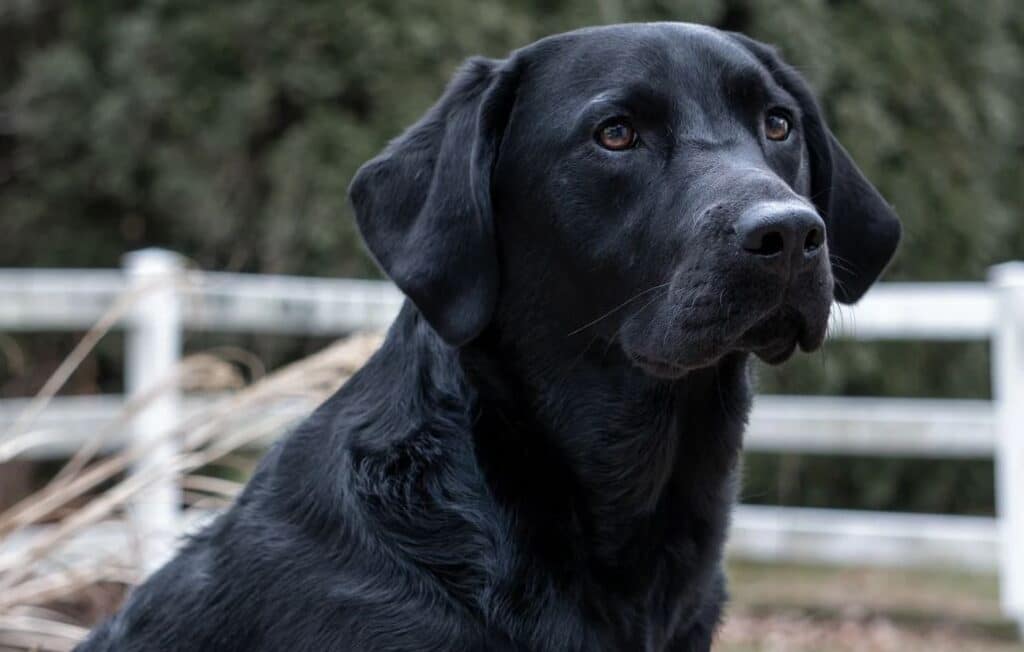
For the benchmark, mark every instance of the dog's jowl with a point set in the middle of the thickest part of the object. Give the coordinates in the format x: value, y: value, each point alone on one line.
x: 594, y: 235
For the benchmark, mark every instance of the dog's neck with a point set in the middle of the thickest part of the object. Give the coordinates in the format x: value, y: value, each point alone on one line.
x: 594, y: 471
x: 620, y: 456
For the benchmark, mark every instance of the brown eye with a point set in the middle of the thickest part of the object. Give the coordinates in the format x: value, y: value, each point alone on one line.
x: 776, y: 126
x: 616, y: 135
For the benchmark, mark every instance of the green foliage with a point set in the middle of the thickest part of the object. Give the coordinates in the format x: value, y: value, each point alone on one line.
x: 877, y: 484
x: 229, y: 130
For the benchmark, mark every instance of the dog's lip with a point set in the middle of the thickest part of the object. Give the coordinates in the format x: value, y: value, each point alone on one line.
x: 779, y: 350
x: 813, y: 332
x: 657, y: 367
x: 807, y: 341
x: 775, y: 338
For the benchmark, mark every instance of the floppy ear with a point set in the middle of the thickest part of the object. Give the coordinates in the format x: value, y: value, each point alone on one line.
x: 423, y: 205
x: 862, y: 229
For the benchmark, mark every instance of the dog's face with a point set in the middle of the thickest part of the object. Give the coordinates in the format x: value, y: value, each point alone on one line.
x: 669, y: 187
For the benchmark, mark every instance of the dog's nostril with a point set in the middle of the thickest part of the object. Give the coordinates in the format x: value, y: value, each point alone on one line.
x: 766, y: 244
x: 780, y: 234
x: 813, y: 240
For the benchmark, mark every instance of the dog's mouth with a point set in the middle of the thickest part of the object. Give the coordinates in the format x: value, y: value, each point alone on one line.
x: 777, y: 352
x: 775, y: 338
x: 658, y: 368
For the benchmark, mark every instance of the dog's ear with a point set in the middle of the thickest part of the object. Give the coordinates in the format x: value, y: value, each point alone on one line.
x: 423, y: 205
x: 863, y: 230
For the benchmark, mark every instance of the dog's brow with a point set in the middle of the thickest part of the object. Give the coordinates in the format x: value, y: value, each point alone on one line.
x: 744, y: 81
x: 627, y: 95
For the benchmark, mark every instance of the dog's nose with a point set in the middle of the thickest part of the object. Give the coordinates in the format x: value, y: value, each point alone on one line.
x: 781, y: 236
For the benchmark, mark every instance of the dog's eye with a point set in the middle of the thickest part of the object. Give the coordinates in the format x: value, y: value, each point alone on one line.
x: 616, y: 134
x: 776, y: 126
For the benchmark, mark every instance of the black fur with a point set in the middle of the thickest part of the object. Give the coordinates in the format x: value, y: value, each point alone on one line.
x: 542, y: 455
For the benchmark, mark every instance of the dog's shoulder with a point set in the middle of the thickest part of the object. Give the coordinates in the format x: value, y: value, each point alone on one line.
x: 358, y: 530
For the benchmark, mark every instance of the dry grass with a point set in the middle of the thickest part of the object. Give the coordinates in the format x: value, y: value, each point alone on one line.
x: 796, y: 632
x: 789, y: 608
x: 49, y: 590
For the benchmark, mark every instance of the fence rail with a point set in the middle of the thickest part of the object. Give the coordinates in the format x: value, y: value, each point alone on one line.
x: 897, y: 427
x: 74, y: 299
x: 42, y: 300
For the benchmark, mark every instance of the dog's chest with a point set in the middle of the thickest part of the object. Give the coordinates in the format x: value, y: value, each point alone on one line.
x: 647, y: 601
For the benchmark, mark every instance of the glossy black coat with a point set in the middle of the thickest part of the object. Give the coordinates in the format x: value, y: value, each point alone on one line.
x: 543, y: 454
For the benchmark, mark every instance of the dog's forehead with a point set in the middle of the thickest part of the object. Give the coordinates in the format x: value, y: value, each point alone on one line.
x: 671, y: 55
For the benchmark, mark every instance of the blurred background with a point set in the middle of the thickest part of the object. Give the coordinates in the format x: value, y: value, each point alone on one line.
x: 228, y: 132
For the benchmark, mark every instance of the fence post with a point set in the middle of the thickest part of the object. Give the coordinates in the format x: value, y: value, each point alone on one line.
x: 1008, y: 388
x: 153, y: 348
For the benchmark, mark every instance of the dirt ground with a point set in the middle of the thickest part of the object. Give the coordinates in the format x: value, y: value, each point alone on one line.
x: 802, y: 609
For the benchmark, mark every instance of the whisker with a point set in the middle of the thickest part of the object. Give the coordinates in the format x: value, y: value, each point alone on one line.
x: 616, y: 309
x: 842, y: 264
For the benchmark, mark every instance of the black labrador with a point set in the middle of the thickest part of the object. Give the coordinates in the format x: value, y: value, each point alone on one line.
x: 594, y: 235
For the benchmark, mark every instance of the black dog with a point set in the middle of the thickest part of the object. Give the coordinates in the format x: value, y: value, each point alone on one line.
x: 593, y: 234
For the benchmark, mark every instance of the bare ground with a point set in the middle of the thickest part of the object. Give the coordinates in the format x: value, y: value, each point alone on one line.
x: 808, y: 609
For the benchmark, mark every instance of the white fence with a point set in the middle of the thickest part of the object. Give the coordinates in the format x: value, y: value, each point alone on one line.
x: 172, y: 300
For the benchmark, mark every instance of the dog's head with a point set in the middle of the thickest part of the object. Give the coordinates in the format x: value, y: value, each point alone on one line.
x: 667, y: 186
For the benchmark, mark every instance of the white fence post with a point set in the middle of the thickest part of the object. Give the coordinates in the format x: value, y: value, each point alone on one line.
x: 153, y: 348
x: 1008, y: 387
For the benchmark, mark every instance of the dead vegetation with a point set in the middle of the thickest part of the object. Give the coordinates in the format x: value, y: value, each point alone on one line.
x: 63, y: 562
